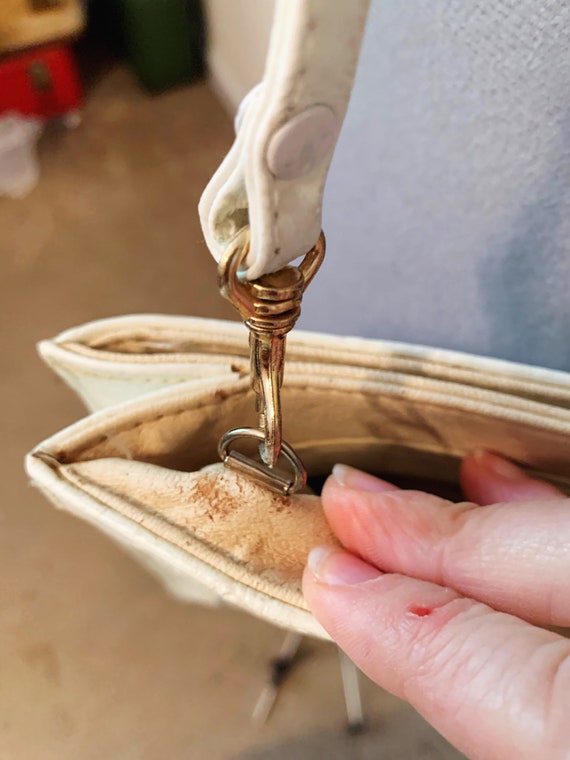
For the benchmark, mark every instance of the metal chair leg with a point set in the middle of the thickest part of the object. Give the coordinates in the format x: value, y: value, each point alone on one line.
x: 279, y: 668
x: 352, y: 698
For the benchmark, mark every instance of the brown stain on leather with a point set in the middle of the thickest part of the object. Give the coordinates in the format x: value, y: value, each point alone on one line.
x: 269, y: 533
x: 43, y: 658
x: 266, y: 537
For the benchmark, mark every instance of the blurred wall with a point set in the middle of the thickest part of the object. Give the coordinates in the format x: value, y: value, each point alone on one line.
x: 238, y: 38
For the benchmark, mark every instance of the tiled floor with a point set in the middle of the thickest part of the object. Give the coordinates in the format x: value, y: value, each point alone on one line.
x: 95, y: 660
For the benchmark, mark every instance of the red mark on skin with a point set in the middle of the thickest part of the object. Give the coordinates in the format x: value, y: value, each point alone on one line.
x: 418, y: 611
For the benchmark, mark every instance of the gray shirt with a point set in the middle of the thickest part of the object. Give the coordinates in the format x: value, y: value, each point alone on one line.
x: 447, y: 207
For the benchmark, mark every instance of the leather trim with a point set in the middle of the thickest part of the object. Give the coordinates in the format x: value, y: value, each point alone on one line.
x: 311, y: 64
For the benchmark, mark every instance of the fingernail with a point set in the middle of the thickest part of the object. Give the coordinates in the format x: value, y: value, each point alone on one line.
x: 501, y: 467
x: 349, y: 477
x: 339, y: 568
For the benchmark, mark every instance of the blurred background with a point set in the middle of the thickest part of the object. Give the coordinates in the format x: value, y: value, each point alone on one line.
x: 113, y: 116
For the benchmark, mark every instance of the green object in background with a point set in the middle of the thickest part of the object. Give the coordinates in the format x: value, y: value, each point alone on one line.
x: 164, y: 40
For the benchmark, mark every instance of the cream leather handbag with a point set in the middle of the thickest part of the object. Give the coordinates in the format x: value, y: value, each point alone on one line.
x: 146, y: 470
x: 144, y: 467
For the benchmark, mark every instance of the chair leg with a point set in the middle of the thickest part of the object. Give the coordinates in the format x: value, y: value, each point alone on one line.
x: 279, y: 669
x: 352, y: 697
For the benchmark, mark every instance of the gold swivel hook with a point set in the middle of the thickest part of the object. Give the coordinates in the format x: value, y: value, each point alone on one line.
x: 269, y: 307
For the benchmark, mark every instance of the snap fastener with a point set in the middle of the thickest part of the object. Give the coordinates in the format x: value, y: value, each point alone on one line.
x: 301, y: 144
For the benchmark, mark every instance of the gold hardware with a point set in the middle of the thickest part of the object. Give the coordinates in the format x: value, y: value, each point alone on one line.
x: 260, y: 472
x: 270, y: 307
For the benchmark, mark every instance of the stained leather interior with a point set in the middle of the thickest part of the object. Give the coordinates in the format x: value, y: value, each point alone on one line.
x: 150, y: 468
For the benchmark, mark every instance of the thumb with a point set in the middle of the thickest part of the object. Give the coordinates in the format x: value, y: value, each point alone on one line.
x: 493, y: 685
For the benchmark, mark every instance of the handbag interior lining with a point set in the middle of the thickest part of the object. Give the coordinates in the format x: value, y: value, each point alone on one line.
x: 260, y: 539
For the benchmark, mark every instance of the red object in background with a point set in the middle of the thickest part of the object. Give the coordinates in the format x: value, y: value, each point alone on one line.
x: 41, y: 82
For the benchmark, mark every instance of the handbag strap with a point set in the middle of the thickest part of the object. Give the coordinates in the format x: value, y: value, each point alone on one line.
x: 273, y: 177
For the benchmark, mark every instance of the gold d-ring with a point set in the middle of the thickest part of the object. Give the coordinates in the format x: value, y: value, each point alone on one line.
x: 259, y: 471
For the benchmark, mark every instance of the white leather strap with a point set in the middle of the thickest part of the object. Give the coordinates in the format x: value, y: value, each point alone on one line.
x: 274, y: 175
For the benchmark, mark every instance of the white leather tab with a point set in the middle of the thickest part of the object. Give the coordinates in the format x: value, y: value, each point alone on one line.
x: 273, y: 177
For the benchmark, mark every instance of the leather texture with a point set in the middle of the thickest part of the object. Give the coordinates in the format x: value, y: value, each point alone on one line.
x: 273, y: 177
x: 113, y: 360
x: 145, y: 471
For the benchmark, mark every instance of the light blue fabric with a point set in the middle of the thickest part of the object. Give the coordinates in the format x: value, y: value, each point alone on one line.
x: 447, y: 211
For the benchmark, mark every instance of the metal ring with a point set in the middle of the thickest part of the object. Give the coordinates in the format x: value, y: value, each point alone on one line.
x: 245, y: 294
x: 258, y: 471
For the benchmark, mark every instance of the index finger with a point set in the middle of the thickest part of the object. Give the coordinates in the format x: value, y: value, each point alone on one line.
x: 514, y: 557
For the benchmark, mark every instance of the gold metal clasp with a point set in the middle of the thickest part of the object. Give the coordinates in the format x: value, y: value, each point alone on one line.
x: 270, y: 307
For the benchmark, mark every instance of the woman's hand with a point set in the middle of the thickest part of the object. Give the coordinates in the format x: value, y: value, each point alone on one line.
x: 439, y: 603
